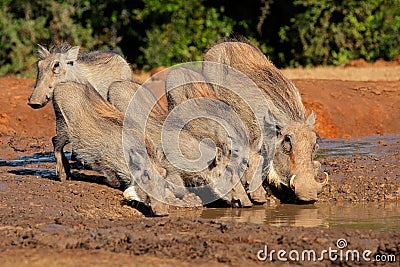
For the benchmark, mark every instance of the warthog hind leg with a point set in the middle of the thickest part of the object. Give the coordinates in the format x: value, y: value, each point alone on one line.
x: 63, y: 170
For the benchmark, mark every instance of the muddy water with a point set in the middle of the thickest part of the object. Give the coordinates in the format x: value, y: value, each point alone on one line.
x: 366, y: 146
x: 377, y: 216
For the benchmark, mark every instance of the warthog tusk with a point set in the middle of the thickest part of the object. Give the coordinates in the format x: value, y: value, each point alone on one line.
x: 291, y: 183
x: 325, y: 182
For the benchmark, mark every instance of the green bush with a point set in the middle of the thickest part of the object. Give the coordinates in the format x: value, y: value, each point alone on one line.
x: 184, y: 29
x: 334, y: 32
x: 164, y: 32
x: 17, y: 40
x: 24, y: 24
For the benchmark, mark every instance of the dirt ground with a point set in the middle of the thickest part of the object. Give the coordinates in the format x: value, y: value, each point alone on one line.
x: 85, y: 223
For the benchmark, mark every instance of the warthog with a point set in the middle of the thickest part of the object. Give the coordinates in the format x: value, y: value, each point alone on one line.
x: 218, y: 178
x: 293, y: 164
x: 64, y: 63
x: 190, y: 100
x: 192, y: 85
x: 94, y: 128
x: 120, y: 94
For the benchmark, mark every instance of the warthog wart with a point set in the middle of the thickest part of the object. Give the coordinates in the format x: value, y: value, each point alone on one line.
x: 295, y: 146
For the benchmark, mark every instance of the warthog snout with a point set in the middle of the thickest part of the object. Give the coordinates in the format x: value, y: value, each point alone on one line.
x: 293, y: 164
x: 34, y: 102
x: 40, y: 97
x: 306, y: 190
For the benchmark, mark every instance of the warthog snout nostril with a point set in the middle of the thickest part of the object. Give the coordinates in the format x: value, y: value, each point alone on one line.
x: 34, y: 105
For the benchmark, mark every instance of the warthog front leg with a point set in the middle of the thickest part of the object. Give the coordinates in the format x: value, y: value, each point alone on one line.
x: 235, y: 194
x: 134, y: 193
x: 258, y: 195
x: 255, y: 189
x: 112, y: 179
x: 239, y: 194
x: 179, y: 194
x: 63, y: 170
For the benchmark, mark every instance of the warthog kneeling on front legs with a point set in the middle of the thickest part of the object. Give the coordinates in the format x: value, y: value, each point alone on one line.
x: 94, y: 128
x: 293, y: 166
x: 220, y: 177
x: 191, y: 96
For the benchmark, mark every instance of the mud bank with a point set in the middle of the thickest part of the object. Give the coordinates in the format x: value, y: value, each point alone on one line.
x: 84, y: 222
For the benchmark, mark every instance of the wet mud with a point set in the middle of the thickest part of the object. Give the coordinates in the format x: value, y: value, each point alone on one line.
x: 85, y: 222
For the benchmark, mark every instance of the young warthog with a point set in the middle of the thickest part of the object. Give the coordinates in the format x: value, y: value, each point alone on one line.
x: 215, y: 178
x: 94, y: 128
x: 64, y: 63
x: 293, y: 164
x: 121, y: 93
x: 197, y: 107
x: 190, y: 95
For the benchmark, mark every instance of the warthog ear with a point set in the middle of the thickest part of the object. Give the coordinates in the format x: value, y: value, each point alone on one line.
x: 42, y: 52
x: 218, y: 158
x: 271, y: 129
x: 72, y: 53
x: 311, y: 119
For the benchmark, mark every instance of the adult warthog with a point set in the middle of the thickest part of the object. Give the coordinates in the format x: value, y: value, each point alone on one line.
x: 293, y: 166
x: 65, y: 63
x: 94, y: 128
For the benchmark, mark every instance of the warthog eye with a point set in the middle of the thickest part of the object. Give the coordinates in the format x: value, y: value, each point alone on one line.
x: 245, y: 162
x: 56, y: 67
x: 287, y: 144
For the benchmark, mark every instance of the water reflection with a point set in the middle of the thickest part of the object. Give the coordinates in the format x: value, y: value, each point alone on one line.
x: 377, y: 216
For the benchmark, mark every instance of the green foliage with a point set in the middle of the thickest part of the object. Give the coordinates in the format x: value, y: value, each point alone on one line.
x: 164, y: 32
x: 334, y: 32
x: 25, y: 24
x: 17, y: 41
x: 184, y: 30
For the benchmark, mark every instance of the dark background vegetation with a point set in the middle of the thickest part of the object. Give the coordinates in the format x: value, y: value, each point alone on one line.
x: 164, y: 32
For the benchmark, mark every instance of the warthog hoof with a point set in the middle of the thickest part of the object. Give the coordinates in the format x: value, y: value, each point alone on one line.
x: 258, y: 196
x: 159, y: 208
x: 63, y: 175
